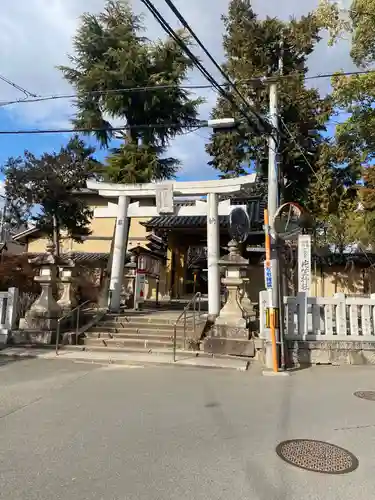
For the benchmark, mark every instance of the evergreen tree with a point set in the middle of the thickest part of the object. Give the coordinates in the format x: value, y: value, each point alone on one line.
x: 45, y: 190
x: 354, y: 96
x: 252, y: 50
x: 366, y: 194
x: 111, y: 54
x: 334, y: 204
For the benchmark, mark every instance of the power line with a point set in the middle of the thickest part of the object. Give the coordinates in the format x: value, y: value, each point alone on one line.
x: 155, y: 88
x: 181, y: 18
x: 298, y: 145
x: 13, y: 84
x: 356, y: 12
x: 169, y: 30
x: 150, y: 88
x: 201, y: 136
x: 193, y: 126
x: 337, y: 73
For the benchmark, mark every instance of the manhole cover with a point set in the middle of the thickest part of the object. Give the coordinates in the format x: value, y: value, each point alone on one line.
x: 317, y: 456
x: 369, y: 395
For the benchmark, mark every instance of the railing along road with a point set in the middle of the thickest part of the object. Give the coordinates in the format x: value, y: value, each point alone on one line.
x: 194, y: 302
x: 70, y: 314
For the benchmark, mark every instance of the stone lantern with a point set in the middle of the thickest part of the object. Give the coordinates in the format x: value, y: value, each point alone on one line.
x: 246, y: 303
x: 67, y: 301
x: 230, y: 333
x: 42, y: 316
x: 231, y: 315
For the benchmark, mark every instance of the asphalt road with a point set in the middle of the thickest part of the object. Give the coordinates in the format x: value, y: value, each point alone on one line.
x: 77, y: 431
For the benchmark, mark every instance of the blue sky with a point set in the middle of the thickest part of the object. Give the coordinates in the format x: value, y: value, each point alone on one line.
x: 31, y: 62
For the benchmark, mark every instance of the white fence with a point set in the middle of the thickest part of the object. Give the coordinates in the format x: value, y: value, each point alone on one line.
x: 8, y: 312
x: 324, y: 318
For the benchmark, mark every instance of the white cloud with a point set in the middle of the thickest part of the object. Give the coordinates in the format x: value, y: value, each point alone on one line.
x: 36, y: 36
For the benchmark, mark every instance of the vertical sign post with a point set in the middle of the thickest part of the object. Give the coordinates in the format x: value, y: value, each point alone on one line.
x: 304, y: 280
x: 304, y: 263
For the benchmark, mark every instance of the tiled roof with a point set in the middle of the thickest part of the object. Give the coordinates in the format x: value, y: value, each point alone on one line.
x: 181, y: 221
x: 255, y: 210
x: 82, y: 257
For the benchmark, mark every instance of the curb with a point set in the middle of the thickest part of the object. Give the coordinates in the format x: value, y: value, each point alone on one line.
x: 107, y: 360
x: 153, y: 362
x: 269, y: 373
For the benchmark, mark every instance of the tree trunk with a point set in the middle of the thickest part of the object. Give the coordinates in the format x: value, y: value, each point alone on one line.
x: 56, y: 235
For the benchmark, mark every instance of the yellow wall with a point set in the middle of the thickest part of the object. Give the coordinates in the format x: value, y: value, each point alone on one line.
x: 38, y: 245
x: 326, y: 282
x: 100, y: 238
x: 137, y: 232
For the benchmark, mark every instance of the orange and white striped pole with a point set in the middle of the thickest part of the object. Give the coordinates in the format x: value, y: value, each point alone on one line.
x: 272, y: 313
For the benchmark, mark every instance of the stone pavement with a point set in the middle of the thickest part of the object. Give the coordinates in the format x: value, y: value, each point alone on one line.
x: 82, y: 431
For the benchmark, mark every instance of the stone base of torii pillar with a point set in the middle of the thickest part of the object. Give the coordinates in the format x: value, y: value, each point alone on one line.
x: 230, y: 333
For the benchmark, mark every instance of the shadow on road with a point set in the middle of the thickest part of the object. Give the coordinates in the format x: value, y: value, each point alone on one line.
x: 6, y: 359
x: 257, y: 476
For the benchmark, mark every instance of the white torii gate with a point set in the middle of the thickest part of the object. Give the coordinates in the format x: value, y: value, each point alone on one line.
x: 165, y: 191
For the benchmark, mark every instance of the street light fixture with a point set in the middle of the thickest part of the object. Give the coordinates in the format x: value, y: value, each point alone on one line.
x: 222, y: 123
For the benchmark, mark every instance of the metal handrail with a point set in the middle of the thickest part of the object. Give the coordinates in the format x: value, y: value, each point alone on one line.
x: 193, y: 301
x: 67, y: 315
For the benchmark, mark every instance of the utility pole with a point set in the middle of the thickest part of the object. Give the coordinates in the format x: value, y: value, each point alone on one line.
x: 275, y: 292
x: 273, y: 202
x: 282, y: 290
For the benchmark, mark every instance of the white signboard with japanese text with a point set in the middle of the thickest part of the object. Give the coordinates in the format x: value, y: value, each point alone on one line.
x: 304, y: 263
x: 164, y: 198
x: 140, y: 281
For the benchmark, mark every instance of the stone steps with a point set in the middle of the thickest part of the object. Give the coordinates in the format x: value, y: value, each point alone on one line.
x: 157, y: 320
x: 140, y: 331
x: 134, y: 342
x: 130, y: 349
x: 143, y: 335
x: 140, y: 326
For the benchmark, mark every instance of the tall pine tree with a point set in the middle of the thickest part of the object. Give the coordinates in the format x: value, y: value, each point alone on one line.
x: 252, y: 49
x: 111, y: 54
